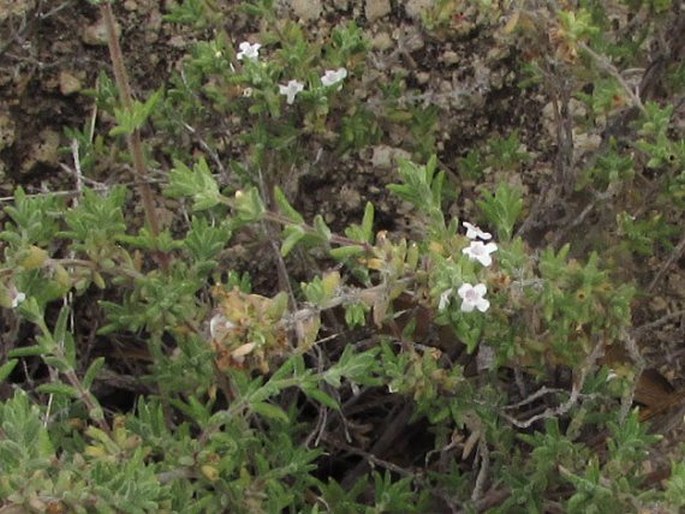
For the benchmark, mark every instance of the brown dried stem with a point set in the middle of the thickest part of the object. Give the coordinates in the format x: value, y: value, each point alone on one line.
x: 133, y: 140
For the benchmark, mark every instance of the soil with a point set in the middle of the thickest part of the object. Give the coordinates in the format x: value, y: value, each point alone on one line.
x: 53, y: 52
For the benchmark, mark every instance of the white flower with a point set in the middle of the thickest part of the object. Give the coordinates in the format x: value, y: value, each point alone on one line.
x: 248, y: 51
x: 478, y: 251
x: 444, y: 299
x: 472, y: 297
x: 290, y: 90
x: 17, y: 298
x: 332, y: 77
x: 473, y: 232
x: 247, y: 92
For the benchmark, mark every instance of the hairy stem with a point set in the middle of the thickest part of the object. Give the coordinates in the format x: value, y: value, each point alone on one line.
x: 135, y: 145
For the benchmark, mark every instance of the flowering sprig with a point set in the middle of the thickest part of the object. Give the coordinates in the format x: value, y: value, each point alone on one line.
x: 332, y: 77
x: 248, y: 51
x: 290, y: 90
x: 472, y: 297
x: 478, y: 251
x: 474, y: 232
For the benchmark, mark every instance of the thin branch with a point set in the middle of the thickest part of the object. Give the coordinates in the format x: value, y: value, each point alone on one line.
x: 482, y: 476
x: 368, y: 456
x: 675, y: 255
x: 134, y: 141
x: 637, y: 332
x: 609, y: 68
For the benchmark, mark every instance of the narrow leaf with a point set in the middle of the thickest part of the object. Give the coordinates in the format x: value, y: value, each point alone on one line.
x: 285, y: 207
x: 323, y: 398
x: 269, y: 411
x: 7, y: 368
x: 27, y: 351
x: 59, y: 389
x: 92, y: 372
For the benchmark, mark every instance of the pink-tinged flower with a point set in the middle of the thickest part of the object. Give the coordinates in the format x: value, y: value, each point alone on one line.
x: 472, y: 297
x: 332, y: 77
x: 248, y: 51
x: 478, y: 251
x: 473, y: 232
x: 290, y: 90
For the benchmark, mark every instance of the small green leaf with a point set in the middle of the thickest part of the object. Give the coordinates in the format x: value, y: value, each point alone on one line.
x: 322, y: 398
x: 502, y: 209
x: 269, y: 411
x: 92, y: 372
x: 367, y: 222
x: 27, y: 351
x: 345, y: 252
x: 59, y: 364
x: 249, y: 205
x: 58, y: 389
x: 321, y: 228
x: 285, y: 207
x: 7, y: 368
x: 292, y: 234
x: 198, y: 183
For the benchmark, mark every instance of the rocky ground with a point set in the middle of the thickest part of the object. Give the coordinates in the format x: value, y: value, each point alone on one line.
x: 52, y: 52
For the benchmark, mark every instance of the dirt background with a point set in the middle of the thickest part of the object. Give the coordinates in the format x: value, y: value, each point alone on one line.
x: 51, y: 53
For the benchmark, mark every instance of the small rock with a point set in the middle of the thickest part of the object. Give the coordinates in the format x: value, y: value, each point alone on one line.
x: 382, y: 157
x: 450, y: 57
x: 307, y: 10
x: 376, y: 9
x: 178, y: 41
x: 9, y: 8
x: 676, y: 284
x: 385, y: 157
x: 422, y: 77
x: 350, y: 197
x: 416, y: 8
x: 68, y: 83
x: 7, y: 128
x: 584, y: 143
x: 658, y: 304
x: 96, y: 34
x: 44, y: 151
x: 381, y: 41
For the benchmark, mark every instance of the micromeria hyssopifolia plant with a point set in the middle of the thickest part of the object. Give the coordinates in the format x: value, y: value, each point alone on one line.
x: 459, y: 366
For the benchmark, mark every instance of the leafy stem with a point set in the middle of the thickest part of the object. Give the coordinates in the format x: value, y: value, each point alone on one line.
x: 133, y: 139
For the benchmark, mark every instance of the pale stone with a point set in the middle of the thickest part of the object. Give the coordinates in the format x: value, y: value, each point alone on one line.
x: 376, y: 9
x: 416, y: 8
x: 7, y: 128
x: 96, y: 34
x: 382, y: 41
x: 46, y: 150
x: 450, y: 57
x: 307, y: 10
x: 68, y: 83
x: 422, y: 77
x: 386, y: 157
